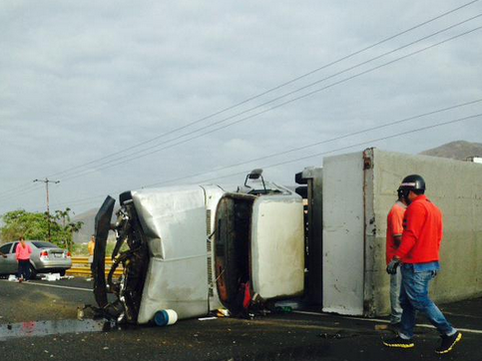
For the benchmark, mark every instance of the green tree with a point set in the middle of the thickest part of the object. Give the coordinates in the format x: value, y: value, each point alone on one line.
x: 64, y: 229
x: 18, y: 223
x: 35, y: 226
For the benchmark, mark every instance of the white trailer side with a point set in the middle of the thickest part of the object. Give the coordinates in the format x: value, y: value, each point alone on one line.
x: 358, y: 191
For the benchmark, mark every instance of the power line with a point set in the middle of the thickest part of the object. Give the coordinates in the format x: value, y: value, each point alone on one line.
x: 344, y: 136
x: 347, y: 147
x: 14, y: 189
x: 397, y: 122
x: 333, y: 84
x: 266, y: 92
x: 353, y: 146
x: 27, y: 190
x: 122, y: 160
x: 31, y: 188
x: 271, y: 89
x: 88, y: 199
x: 84, y: 200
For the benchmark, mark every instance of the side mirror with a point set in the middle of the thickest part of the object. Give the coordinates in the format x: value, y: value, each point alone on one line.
x: 254, y: 175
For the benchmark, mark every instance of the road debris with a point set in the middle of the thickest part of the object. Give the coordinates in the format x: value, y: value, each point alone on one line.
x: 337, y: 335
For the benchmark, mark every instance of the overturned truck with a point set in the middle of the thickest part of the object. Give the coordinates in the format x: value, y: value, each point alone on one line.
x: 194, y: 249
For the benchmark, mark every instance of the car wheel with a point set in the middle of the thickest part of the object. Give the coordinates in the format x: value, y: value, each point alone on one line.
x: 62, y: 272
x: 33, y: 272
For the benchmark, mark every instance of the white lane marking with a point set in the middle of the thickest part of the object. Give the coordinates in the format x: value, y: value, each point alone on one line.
x: 56, y: 286
x: 468, y: 330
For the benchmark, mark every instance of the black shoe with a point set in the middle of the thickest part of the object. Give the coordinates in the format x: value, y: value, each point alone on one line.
x: 448, y: 342
x: 398, y: 342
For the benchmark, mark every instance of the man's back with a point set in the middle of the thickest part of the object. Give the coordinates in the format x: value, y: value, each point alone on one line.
x: 423, y: 231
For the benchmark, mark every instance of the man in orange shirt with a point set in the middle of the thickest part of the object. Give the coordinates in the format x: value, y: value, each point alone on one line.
x: 394, y: 237
x: 418, y: 255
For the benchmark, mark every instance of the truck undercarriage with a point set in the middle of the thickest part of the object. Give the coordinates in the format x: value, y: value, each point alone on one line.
x: 128, y: 288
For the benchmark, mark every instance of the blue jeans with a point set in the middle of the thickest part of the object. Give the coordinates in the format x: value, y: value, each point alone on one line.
x: 414, y: 297
x: 396, y: 309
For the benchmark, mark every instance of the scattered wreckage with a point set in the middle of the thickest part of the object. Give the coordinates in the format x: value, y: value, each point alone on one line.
x: 196, y: 249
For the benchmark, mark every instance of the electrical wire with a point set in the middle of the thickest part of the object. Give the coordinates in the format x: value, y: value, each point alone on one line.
x: 333, y: 84
x: 344, y: 136
x: 330, y: 140
x: 270, y: 90
x: 124, y: 160
x: 454, y: 121
x: 17, y: 188
x: 262, y: 94
x: 27, y: 190
x: 352, y: 146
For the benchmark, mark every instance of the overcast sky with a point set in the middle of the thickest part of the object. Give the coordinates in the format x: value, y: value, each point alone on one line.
x: 107, y: 96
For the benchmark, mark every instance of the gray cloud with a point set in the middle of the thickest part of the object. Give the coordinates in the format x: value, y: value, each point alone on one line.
x: 81, y: 80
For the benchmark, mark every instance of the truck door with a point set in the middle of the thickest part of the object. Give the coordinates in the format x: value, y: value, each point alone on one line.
x: 232, y: 239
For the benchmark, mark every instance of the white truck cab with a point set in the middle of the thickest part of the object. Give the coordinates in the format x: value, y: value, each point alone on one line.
x: 198, y: 248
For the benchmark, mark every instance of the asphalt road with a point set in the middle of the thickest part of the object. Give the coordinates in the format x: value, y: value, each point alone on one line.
x: 38, y: 322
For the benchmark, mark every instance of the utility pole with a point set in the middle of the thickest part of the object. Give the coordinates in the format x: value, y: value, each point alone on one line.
x: 47, y: 181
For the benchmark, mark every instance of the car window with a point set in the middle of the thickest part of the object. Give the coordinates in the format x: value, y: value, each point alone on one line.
x: 14, y: 249
x: 44, y: 245
x: 5, y: 248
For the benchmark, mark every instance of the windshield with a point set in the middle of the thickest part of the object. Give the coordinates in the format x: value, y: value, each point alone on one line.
x: 44, y: 245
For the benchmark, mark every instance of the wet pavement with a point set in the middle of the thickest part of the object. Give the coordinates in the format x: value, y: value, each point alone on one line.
x: 46, y: 328
x: 38, y: 322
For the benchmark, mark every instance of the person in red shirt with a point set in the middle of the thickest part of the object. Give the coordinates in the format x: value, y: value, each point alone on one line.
x: 418, y: 256
x: 394, y: 237
x: 23, y: 252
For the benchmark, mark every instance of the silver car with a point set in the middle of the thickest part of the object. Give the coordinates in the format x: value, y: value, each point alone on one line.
x: 46, y: 257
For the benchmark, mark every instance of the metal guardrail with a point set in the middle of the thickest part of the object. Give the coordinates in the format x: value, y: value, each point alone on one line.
x: 81, y: 267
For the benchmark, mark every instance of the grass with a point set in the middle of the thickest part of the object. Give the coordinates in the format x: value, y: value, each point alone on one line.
x: 82, y: 250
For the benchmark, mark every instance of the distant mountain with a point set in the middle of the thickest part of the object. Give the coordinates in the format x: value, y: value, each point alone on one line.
x: 460, y: 150
x: 88, y: 228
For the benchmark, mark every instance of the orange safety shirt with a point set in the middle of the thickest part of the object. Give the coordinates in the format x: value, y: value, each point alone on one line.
x: 422, y: 232
x: 394, y: 228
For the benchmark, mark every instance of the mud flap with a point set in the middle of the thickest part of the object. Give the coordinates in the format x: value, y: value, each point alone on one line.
x: 102, y: 227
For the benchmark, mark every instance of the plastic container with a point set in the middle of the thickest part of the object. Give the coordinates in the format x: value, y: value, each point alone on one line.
x: 165, y: 317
